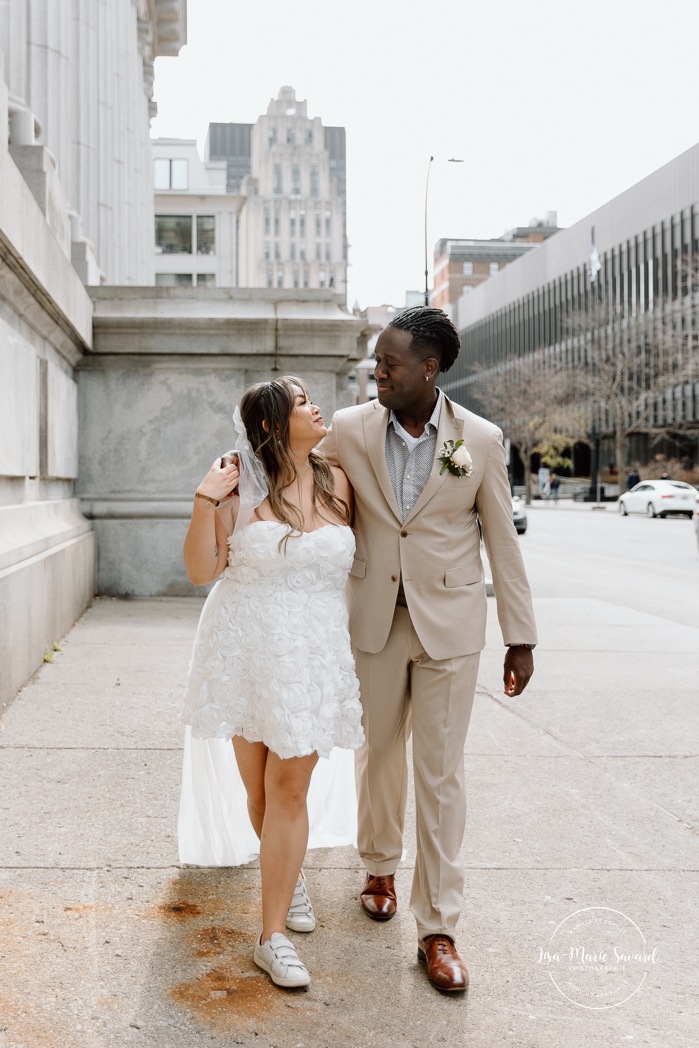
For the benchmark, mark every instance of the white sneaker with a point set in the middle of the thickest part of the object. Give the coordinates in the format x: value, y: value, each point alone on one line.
x: 301, y: 917
x: 280, y: 960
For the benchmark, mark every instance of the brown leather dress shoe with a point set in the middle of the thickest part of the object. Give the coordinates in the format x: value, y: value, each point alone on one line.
x: 378, y: 897
x: 445, y: 969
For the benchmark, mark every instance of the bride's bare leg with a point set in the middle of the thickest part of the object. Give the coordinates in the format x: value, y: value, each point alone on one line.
x: 251, y: 758
x: 284, y: 835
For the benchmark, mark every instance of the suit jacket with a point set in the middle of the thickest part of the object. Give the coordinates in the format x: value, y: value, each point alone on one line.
x: 437, y: 548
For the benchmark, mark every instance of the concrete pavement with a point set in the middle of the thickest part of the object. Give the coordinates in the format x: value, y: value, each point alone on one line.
x: 582, y: 797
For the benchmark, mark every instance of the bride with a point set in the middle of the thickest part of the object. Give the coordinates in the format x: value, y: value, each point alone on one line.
x: 272, y: 668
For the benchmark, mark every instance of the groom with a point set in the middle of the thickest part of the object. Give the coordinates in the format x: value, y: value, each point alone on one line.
x: 418, y: 613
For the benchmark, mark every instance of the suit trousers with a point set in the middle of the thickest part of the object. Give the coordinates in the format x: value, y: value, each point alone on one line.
x: 404, y: 690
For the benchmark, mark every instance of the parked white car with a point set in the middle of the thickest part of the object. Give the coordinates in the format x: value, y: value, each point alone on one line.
x: 519, y: 514
x: 657, y: 498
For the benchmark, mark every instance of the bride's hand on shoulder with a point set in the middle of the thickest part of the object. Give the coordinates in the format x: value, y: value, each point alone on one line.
x: 221, y: 481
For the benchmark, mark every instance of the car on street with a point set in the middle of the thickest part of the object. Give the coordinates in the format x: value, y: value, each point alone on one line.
x: 519, y: 514
x: 658, y: 498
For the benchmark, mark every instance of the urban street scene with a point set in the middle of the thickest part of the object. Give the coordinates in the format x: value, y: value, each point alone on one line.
x: 349, y: 524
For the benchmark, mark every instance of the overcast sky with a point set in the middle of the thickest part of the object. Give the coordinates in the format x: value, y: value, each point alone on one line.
x: 552, y: 104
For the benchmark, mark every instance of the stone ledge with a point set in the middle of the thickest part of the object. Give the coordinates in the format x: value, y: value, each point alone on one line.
x: 34, y: 528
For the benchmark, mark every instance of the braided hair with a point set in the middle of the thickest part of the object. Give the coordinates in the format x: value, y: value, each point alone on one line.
x: 433, y: 333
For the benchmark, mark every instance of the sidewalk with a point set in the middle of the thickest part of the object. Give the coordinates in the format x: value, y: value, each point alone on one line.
x: 105, y: 941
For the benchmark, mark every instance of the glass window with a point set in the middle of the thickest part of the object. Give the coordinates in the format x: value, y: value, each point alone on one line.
x: 321, y: 277
x: 302, y: 252
x: 468, y: 269
x: 292, y: 222
x: 319, y: 221
x: 327, y: 252
x: 170, y: 174
x: 314, y: 180
x: 318, y: 255
x: 276, y: 220
x: 277, y: 251
x: 292, y: 251
x: 206, y: 280
x: 289, y: 136
x: 309, y: 137
x: 173, y: 234
x: 272, y: 136
x: 302, y: 222
x: 494, y: 267
x: 277, y: 179
x: 280, y: 278
x: 306, y: 278
x: 268, y: 221
x: 268, y: 253
x: 206, y: 235
x: 328, y: 223
x: 173, y: 279
x: 296, y: 278
x: 270, y: 279
x: 295, y: 180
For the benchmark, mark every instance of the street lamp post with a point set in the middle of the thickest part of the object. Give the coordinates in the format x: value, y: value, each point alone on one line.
x: 451, y: 160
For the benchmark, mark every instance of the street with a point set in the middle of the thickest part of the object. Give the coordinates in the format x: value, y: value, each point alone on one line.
x: 582, y: 815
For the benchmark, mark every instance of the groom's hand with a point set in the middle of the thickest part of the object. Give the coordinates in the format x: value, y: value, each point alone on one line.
x: 519, y: 666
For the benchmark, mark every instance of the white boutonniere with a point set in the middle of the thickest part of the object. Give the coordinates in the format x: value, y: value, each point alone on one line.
x: 455, y: 458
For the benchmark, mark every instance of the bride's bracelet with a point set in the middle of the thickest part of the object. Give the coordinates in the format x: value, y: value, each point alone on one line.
x: 198, y: 495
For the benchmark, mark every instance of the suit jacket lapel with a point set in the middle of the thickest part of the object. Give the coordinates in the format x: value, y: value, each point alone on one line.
x: 375, y: 424
x: 450, y: 428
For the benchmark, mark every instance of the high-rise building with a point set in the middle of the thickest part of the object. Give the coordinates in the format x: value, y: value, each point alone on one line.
x: 291, y: 170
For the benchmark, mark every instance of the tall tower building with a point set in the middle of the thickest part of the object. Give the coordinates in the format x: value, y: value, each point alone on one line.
x: 291, y: 171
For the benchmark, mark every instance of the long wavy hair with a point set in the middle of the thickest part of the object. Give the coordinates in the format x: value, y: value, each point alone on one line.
x: 265, y: 409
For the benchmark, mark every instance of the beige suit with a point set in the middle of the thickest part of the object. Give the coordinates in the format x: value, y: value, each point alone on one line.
x: 417, y: 666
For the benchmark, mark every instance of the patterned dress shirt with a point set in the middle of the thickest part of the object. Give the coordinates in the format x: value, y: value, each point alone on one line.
x: 410, y: 459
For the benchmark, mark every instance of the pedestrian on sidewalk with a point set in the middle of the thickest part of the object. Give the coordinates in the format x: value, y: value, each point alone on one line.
x: 427, y: 475
x: 554, y: 483
x: 272, y: 667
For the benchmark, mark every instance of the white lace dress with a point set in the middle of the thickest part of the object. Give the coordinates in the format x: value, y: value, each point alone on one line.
x: 272, y: 663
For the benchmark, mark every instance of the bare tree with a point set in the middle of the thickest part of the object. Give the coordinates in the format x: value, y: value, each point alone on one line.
x: 630, y: 363
x: 530, y: 399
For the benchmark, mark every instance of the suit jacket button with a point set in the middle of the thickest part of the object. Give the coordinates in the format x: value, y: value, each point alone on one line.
x: 394, y: 578
x: 404, y: 534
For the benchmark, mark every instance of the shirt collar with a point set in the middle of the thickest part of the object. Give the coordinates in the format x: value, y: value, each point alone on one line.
x: 433, y: 420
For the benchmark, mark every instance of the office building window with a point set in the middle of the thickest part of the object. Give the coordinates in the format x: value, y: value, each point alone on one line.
x: 319, y: 221
x: 296, y: 278
x: 318, y: 255
x: 306, y: 278
x: 328, y: 222
x: 268, y: 221
x: 292, y: 222
x: 276, y: 220
x: 321, y: 277
x: 302, y: 252
x: 206, y: 280
x: 270, y: 278
x: 494, y: 267
x: 268, y: 251
x: 277, y: 179
x: 206, y: 235
x: 327, y: 252
x: 173, y: 279
x: 295, y: 180
x: 170, y: 174
x: 289, y: 136
x: 280, y: 278
x: 277, y: 251
x: 302, y: 222
x: 467, y: 269
x: 292, y: 251
x: 309, y: 137
x: 314, y: 180
x: 173, y: 234
x: 272, y: 136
